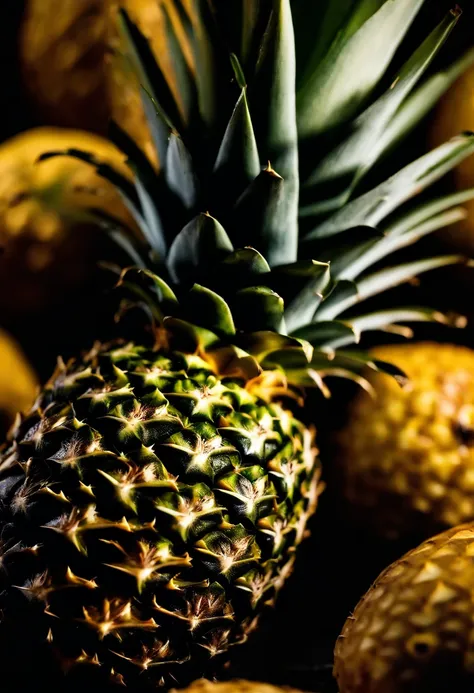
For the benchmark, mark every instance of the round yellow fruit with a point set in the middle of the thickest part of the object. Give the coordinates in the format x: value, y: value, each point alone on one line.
x: 237, y: 686
x: 413, y: 632
x: 44, y: 215
x: 455, y: 114
x: 407, y: 454
x: 72, y: 67
x: 18, y: 382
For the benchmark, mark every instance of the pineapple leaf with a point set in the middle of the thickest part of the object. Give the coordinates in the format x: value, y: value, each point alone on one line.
x: 238, y: 159
x: 179, y: 172
x: 419, y: 103
x: 120, y: 234
x: 122, y: 240
x: 325, y: 334
x: 184, y: 75
x: 159, y: 126
x: 145, y: 184
x: 148, y: 71
x: 288, y: 358
x: 262, y: 343
x: 422, y: 213
x: 328, y: 94
x: 258, y: 308
x: 354, y: 156
x: 385, y: 319
x: 374, y: 206
x: 150, y: 290
x: 153, y: 227
x: 301, y: 309
x: 355, y: 362
x: 245, y: 265
x: 250, y: 11
x: 316, y: 27
x: 391, y: 243
x: 351, y: 246
x: 256, y: 218
x: 273, y: 104
x: 206, y: 43
x: 190, y: 337
x: 124, y: 186
x: 214, y: 313
x: 343, y: 295
x: 393, y: 276
x: 196, y: 249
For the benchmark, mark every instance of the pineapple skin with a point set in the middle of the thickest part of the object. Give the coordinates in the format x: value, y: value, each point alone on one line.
x: 413, y: 631
x: 453, y: 114
x: 150, y: 512
x: 236, y: 686
x: 406, y: 456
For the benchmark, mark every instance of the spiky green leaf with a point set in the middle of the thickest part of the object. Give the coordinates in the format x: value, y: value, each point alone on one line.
x: 258, y: 308
x: 374, y: 206
x: 328, y: 93
x: 214, y: 313
x: 197, y: 248
x: 273, y: 101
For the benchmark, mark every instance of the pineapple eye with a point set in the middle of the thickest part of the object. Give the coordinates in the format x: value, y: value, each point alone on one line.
x: 464, y: 427
x: 465, y: 434
x: 422, y: 645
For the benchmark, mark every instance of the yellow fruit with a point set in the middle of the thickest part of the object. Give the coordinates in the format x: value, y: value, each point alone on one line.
x: 43, y: 216
x: 407, y: 455
x: 413, y: 632
x: 18, y: 382
x: 72, y: 67
x: 237, y: 686
x: 454, y: 114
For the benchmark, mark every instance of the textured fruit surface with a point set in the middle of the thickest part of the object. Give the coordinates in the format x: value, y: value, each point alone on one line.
x: 237, y: 686
x: 149, y: 511
x: 18, y: 382
x: 43, y: 214
x: 455, y: 113
x: 407, y: 454
x: 72, y: 68
x: 413, y: 630
x: 153, y: 501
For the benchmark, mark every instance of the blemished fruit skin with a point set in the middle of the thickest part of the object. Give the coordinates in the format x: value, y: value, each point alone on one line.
x: 46, y: 232
x: 413, y: 631
x: 72, y: 68
x: 149, y: 511
x: 236, y: 686
x: 406, y: 455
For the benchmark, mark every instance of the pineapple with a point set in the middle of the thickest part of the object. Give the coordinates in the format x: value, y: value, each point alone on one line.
x: 454, y: 114
x: 154, y: 497
x: 406, y: 455
x: 18, y: 382
x: 71, y: 63
x: 412, y: 632
x: 238, y: 686
x: 44, y: 215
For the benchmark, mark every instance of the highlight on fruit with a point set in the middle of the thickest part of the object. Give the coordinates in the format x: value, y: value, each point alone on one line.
x: 412, y: 631
x: 234, y: 686
x: 406, y: 455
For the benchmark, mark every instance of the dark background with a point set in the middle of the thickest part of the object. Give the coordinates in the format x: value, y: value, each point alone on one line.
x: 336, y: 566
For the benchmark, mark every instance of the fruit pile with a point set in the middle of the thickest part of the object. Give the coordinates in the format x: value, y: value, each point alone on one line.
x: 156, y: 491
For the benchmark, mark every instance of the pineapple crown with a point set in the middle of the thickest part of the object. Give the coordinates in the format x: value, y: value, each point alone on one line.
x: 263, y: 150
